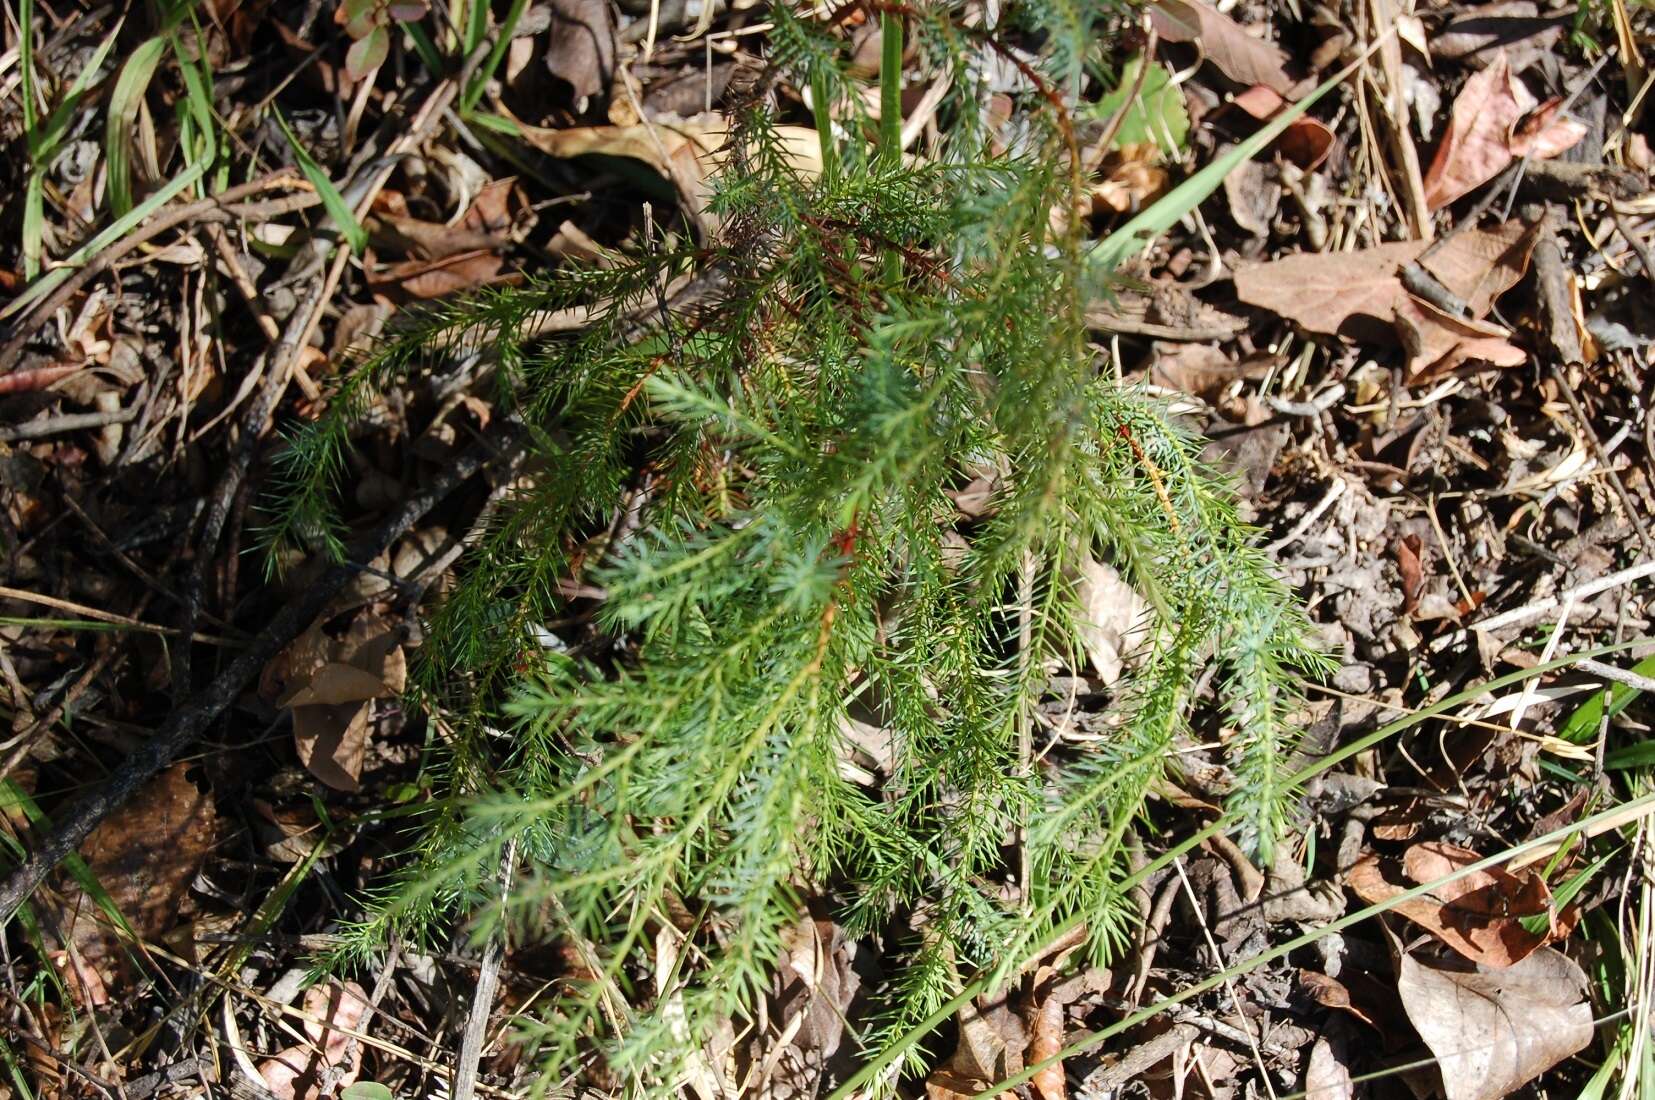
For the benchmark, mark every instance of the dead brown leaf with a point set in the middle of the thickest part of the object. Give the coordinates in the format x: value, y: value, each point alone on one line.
x: 687, y: 153
x: 296, y: 1073
x: 1046, y: 1038
x: 1408, y: 563
x: 1202, y: 370
x: 991, y: 1044
x: 1355, y: 294
x: 1239, y: 55
x: 944, y: 1084
x: 1112, y: 619
x: 1337, y: 293
x: 1332, y: 993
x: 1545, y: 132
x: 1305, y: 142
x: 145, y: 855
x: 1129, y: 178
x: 1482, y: 135
x: 1439, y: 343
x: 1515, y: 26
x: 440, y: 277
x: 1476, y: 914
x: 332, y: 685
x: 1480, y: 265
x: 581, y: 47
x: 811, y: 996
x: 1494, y: 1031
x: 1253, y: 196
x: 1327, y: 1071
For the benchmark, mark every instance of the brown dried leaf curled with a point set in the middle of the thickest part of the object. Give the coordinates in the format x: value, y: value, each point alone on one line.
x: 1355, y: 294
x: 1478, y: 914
x: 581, y: 51
x: 1439, y: 343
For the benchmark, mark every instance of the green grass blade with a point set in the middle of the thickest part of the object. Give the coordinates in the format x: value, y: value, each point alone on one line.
x: 34, y: 223
x: 476, y: 25
x: 124, y: 102
x: 496, y: 53
x: 25, y: 57
x: 1164, y: 213
x: 338, y: 209
x: 890, y: 87
x: 43, y: 141
x: 1583, y: 725
x: 427, y: 50
x: 1639, y: 754
x: 116, y: 230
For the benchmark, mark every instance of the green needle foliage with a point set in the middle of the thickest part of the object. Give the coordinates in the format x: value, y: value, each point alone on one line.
x: 750, y: 449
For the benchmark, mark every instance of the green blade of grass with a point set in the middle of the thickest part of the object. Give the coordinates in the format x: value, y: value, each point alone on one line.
x: 25, y: 57
x: 1583, y: 725
x: 117, y: 229
x: 427, y: 50
x: 496, y: 53
x: 1164, y: 213
x: 338, y: 209
x: 34, y: 223
x: 43, y: 140
x: 890, y: 87
x: 1639, y: 754
x: 124, y: 101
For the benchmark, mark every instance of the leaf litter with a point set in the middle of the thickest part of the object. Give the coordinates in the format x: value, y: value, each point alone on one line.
x: 1408, y: 516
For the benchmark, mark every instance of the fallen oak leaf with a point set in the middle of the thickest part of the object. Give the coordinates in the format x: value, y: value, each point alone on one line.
x: 1354, y: 294
x: 1544, y: 132
x: 1338, y: 293
x: 580, y: 49
x: 1306, y: 142
x: 1496, y: 890
x: 440, y: 277
x: 1478, y: 266
x: 1408, y: 563
x: 331, y: 688
x: 1494, y: 1030
x: 297, y: 1072
x: 144, y: 857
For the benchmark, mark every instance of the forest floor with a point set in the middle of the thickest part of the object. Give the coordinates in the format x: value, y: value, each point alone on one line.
x: 1417, y: 329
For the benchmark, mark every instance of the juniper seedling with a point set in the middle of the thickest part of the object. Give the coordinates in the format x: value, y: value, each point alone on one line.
x: 750, y: 449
